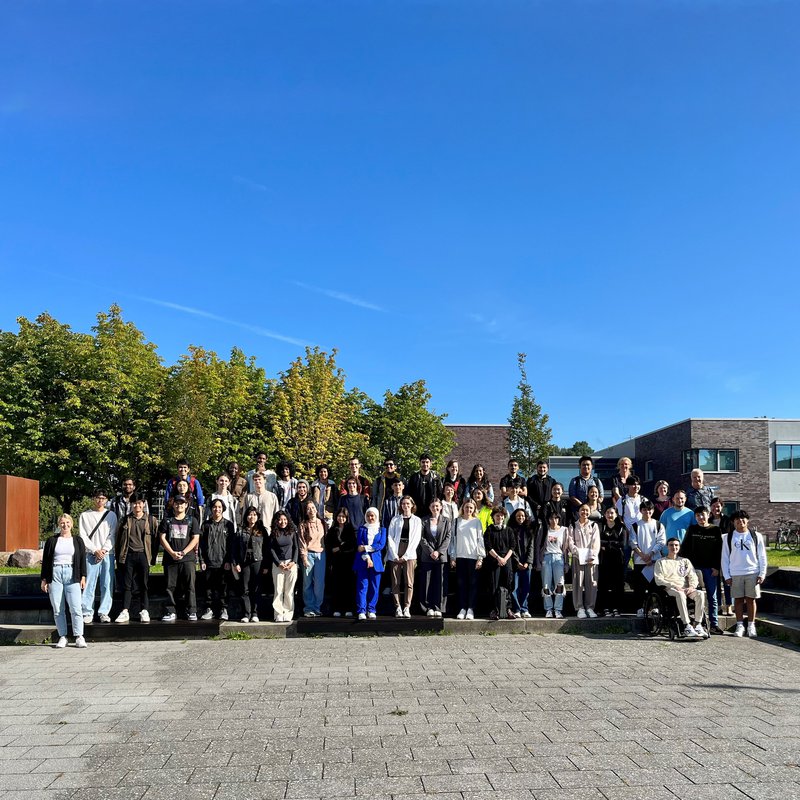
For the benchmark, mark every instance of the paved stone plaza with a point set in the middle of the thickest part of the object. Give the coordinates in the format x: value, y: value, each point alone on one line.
x: 456, y: 717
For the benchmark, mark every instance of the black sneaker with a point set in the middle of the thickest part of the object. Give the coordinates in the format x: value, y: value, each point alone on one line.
x: 717, y: 630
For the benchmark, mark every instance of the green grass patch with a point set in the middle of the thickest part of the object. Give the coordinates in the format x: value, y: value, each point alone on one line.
x: 238, y: 636
x: 783, y: 558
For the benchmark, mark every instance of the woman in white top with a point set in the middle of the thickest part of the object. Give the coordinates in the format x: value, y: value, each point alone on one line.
x: 584, y: 544
x: 402, y: 540
x: 551, y: 559
x: 466, y: 553
x: 64, y: 578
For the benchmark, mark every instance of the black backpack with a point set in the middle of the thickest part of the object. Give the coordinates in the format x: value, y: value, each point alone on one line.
x: 753, y: 536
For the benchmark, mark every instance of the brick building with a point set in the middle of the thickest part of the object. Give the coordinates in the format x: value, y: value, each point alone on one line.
x: 481, y: 444
x: 751, y: 463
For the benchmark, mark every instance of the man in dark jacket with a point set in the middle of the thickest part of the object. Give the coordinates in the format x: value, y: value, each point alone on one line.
x: 424, y: 485
x: 136, y: 549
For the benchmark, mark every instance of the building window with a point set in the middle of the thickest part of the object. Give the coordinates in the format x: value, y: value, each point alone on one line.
x: 649, y: 472
x: 730, y: 507
x: 787, y: 456
x: 712, y: 460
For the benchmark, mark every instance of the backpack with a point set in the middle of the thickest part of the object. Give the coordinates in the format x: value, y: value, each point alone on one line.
x: 753, y: 536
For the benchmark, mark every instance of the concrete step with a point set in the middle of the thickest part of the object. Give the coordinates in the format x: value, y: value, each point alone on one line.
x: 785, y: 578
x: 783, y: 602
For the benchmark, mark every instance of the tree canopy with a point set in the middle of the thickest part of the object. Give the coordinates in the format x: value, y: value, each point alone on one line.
x: 84, y: 409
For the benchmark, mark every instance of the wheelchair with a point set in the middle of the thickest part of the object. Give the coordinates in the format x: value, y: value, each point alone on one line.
x: 661, y: 615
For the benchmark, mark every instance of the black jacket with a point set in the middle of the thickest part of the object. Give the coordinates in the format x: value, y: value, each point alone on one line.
x: 539, y: 491
x: 423, y: 489
x: 526, y: 536
x: 215, y: 541
x: 78, y: 559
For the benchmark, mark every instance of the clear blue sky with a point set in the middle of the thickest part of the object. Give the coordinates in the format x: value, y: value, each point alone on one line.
x: 430, y: 187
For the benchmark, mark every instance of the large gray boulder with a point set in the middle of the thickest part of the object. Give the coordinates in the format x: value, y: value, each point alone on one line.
x: 26, y: 558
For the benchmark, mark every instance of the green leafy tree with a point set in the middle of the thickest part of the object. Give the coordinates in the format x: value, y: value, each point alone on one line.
x: 216, y: 411
x: 45, y: 431
x: 581, y: 448
x: 312, y: 417
x: 404, y: 427
x: 128, y: 385
x: 528, y: 434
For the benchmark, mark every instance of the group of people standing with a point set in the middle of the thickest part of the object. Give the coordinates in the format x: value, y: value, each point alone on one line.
x: 343, y: 541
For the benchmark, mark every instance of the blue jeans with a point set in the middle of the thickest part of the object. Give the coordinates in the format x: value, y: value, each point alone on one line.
x: 104, y: 572
x: 522, y: 589
x: 553, y: 580
x: 711, y: 582
x: 314, y: 582
x: 64, y: 590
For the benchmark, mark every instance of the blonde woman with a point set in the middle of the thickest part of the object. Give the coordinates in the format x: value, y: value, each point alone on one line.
x: 466, y: 552
x: 64, y: 578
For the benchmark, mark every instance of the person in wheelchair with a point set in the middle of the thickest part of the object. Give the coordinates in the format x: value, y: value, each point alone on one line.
x: 679, y: 579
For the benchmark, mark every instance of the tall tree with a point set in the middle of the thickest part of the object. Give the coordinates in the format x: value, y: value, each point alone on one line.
x: 216, y: 411
x: 528, y: 434
x: 404, y: 428
x: 128, y: 383
x: 312, y: 416
x: 45, y: 431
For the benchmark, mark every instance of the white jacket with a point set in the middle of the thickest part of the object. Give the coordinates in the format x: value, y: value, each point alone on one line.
x: 393, y: 537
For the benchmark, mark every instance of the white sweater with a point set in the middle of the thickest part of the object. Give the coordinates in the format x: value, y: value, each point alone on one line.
x: 740, y: 558
x: 467, y: 539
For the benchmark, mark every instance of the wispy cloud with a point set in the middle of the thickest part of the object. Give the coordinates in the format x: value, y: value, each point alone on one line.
x: 259, y: 187
x: 738, y: 384
x: 489, y: 325
x: 199, y: 312
x: 341, y: 296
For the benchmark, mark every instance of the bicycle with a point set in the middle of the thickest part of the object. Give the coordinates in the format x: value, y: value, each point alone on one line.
x: 787, y: 536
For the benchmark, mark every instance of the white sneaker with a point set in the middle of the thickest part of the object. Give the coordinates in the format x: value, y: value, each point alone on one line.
x: 254, y: 618
x: 105, y: 618
x: 640, y: 613
x: 437, y: 614
x: 278, y: 618
x: 739, y: 630
x: 461, y: 614
x: 431, y: 613
x: 337, y: 614
x: 581, y: 614
x: 123, y: 616
x: 348, y: 614
x: 526, y: 615
x: 689, y: 632
x: 88, y: 619
x: 548, y: 614
x: 62, y: 642
x: 223, y: 615
x: 700, y: 631
x: 559, y: 615
x: 80, y: 642
x: 371, y: 615
x: 751, y: 630
x: 208, y: 614
x: 592, y: 614
x: 247, y: 619
x: 362, y: 617
x: 407, y: 612
x: 144, y: 615
x: 398, y: 612
x: 169, y: 617
x: 470, y: 614
x: 192, y: 617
